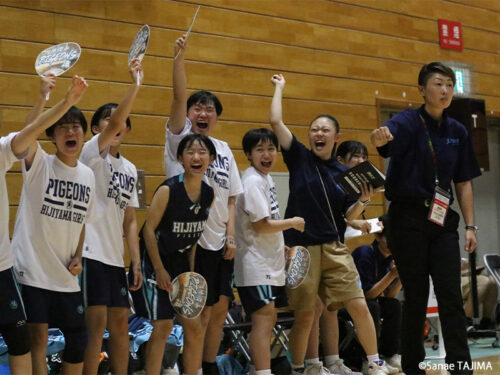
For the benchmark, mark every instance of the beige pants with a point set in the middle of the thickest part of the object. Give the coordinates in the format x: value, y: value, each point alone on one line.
x: 332, y: 275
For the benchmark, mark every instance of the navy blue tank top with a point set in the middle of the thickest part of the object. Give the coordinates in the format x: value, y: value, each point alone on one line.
x: 183, y: 221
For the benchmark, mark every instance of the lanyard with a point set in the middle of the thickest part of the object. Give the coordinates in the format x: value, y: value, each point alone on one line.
x: 433, y: 152
x: 327, y: 201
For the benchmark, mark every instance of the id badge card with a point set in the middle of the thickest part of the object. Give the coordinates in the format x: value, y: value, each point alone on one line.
x: 439, y: 206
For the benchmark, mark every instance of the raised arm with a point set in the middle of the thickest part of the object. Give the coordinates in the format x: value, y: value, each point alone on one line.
x: 381, y: 136
x: 155, y: 213
x: 28, y: 136
x: 117, y: 121
x: 465, y: 199
x: 47, y: 84
x: 275, y: 114
x: 178, y: 109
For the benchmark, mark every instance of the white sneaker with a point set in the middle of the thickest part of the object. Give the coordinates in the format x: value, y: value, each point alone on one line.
x: 389, y: 369
x: 170, y: 371
x: 338, y: 368
x: 395, y: 361
x: 316, y: 369
x: 374, y: 369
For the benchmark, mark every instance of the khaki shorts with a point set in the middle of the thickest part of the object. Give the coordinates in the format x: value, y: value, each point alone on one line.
x: 465, y: 287
x: 332, y: 275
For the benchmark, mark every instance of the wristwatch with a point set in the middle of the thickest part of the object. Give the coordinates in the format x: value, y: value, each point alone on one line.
x: 472, y: 227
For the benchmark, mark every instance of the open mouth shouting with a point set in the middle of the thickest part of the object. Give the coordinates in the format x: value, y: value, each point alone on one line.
x: 266, y: 164
x: 71, y: 143
x: 202, y: 125
x: 196, y: 167
x: 319, y: 145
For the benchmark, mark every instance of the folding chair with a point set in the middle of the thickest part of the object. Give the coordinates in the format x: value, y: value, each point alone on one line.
x: 283, y: 322
x: 237, y: 332
x: 492, y: 263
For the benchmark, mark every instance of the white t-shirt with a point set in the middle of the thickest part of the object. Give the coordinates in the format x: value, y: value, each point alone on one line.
x: 56, y: 201
x: 222, y: 175
x: 260, y: 258
x: 7, y: 158
x: 116, y: 180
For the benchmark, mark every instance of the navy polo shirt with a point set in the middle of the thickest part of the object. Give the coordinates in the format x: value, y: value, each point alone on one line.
x: 411, y: 170
x: 307, y: 198
x: 371, y: 264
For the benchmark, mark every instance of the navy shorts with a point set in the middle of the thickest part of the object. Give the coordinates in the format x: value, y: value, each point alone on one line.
x: 217, y: 271
x: 11, y: 303
x: 103, y: 284
x: 63, y: 310
x: 150, y: 301
x: 254, y: 298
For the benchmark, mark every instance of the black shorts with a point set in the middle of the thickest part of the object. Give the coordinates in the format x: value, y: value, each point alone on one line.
x: 11, y: 303
x: 103, y: 284
x: 217, y: 271
x: 256, y: 297
x: 61, y: 310
x: 150, y: 301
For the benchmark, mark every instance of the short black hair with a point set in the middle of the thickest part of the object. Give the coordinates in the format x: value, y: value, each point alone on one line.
x: 351, y: 147
x: 435, y: 67
x: 205, y: 97
x: 332, y: 119
x: 72, y: 116
x: 189, y: 139
x: 105, y: 111
x: 254, y: 136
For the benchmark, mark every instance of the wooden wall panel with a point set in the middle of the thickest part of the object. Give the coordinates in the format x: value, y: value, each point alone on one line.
x: 345, y: 16
x: 18, y: 57
x: 469, y: 14
x: 484, y: 4
x: 287, y: 57
x: 351, y: 17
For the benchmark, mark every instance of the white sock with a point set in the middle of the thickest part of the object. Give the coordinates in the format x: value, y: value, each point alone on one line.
x: 312, y: 361
x: 199, y: 372
x: 331, y: 359
x: 372, y: 358
x: 294, y: 366
x: 263, y: 372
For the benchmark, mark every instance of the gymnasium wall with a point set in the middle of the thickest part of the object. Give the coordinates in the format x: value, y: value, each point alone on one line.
x: 346, y: 58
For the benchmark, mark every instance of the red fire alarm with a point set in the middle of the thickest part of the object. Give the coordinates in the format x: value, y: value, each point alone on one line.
x: 450, y: 34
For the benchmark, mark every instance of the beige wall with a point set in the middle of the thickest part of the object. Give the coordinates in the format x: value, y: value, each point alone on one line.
x: 338, y: 57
